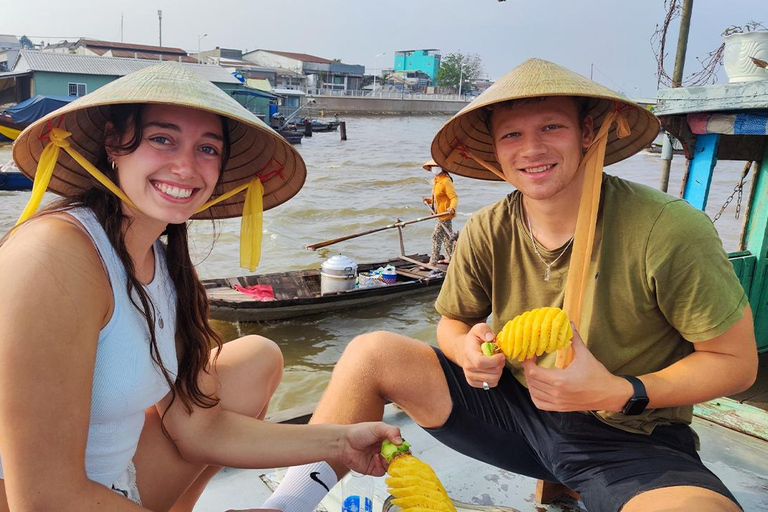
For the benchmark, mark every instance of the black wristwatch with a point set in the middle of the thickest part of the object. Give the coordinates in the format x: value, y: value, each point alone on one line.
x: 639, y: 400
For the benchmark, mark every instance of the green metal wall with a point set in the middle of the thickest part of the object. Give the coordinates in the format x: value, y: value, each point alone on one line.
x: 57, y: 84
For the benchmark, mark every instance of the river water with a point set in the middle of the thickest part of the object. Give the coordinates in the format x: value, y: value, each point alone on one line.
x: 368, y: 181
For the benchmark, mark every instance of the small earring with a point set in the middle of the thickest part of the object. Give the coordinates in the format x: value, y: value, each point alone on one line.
x: 112, y: 163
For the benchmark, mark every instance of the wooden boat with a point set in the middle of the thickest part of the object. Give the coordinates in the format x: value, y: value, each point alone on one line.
x: 317, y: 126
x: 740, y: 460
x: 13, y: 179
x: 733, y: 431
x: 298, y: 294
x: 14, y: 119
x: 292, y: 136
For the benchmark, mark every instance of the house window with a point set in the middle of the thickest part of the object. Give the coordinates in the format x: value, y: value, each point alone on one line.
x: 77, y: 89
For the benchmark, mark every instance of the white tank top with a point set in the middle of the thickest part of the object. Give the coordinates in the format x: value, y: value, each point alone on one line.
x: 126, y: 380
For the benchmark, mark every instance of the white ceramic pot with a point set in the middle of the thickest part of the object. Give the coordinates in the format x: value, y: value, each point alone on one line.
x: 736, y: 57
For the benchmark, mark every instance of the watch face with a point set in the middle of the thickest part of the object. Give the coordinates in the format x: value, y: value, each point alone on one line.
x: 635, y: 406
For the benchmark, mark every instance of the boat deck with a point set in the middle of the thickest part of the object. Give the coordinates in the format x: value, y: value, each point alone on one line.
x: 740, y: 460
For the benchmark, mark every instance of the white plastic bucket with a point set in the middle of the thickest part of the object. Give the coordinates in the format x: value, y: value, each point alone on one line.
x: 337, y: 274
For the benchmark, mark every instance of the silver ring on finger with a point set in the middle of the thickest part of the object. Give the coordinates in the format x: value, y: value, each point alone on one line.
x: 486, y: 386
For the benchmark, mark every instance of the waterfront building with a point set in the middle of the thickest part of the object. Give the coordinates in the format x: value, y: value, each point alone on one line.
x: 55, y: 74
x: 323, y: 76
x: 427, y: 61
x: 9, y: 50
x: 95, y: 47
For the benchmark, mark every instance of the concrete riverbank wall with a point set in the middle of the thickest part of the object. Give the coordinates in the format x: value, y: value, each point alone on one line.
x: 351, y: 105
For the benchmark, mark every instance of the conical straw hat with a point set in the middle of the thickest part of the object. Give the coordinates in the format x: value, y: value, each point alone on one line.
x: 429, y: 165
x: 254, y: 147
x: 537, y: 78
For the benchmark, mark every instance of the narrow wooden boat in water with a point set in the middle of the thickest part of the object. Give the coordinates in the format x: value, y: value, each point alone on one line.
x: 298, y: 293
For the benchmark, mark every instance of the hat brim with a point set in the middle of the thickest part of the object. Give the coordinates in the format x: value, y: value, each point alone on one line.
x: 534, y: 79
x: 255, y: 149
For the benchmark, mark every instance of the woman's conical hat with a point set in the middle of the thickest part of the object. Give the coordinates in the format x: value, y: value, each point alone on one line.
x: 532, y: 79
x: 254, y: 147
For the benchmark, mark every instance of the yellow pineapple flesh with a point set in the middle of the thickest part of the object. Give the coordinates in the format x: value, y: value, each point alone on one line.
x: 533, y: 333
x: 412, y: 483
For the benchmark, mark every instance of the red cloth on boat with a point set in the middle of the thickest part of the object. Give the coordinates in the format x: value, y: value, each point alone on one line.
x: 262, y: 292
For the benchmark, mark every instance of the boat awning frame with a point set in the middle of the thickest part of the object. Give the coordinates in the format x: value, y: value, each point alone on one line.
x: 255, y: 92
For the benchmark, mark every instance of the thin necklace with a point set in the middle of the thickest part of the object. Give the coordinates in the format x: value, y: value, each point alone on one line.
x: 548, y: 271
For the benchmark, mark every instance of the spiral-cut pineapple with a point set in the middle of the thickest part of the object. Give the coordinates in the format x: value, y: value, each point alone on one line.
x: 533, y: 333
x: 412, y: 483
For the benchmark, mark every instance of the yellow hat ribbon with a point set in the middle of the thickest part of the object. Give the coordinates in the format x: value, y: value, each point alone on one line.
x: 251, y: 225
x: 46, y: 165
x: 584, y: 237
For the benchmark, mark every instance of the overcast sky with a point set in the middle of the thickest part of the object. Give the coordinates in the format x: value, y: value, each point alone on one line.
x: 609, y: 36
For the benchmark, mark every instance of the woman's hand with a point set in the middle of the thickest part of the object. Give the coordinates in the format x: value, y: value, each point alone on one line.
x: 479, y: 368
x: 361, y: 446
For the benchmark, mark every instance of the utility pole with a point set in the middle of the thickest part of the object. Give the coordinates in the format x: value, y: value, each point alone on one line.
x: 122, y: 16
x: 461, y: 72
x: 160, y: 25
x: 677, y: 80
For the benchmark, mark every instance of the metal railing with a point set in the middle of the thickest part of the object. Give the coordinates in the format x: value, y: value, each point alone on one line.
x: 393, y: 95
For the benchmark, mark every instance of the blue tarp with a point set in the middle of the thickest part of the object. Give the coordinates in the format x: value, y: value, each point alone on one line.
x: 36, y: 107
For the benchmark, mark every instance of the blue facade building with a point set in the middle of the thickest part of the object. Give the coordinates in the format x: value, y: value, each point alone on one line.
x: 426, y: 61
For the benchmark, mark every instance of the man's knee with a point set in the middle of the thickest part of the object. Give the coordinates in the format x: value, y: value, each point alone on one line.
x: 680, y: 498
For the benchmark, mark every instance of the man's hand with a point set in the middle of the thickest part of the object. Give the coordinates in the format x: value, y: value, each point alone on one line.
x: 585, y: 385
x: 361, y: 446
x: 478, y: 367
x: 452, y: 211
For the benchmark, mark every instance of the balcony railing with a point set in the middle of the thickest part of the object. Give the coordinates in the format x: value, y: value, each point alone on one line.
x: 391, y: 95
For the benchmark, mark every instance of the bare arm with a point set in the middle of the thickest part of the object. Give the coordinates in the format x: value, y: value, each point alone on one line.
x: 55, y: 299
x: 721, y: 366
x: 246, y: 442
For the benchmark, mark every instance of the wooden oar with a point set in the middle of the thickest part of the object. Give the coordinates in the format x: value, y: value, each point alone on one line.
x: 376, y: 230
x: 441, y: 224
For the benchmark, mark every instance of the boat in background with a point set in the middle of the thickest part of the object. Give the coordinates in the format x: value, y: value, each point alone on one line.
x: 298, y: 293
x: 13, y: 179
x: 14, y: 119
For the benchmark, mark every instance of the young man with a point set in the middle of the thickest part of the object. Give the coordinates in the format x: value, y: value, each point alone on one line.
x: 662, y: 322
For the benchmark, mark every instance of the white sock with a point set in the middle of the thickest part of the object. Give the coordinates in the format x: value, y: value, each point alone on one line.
x: 302, y: 488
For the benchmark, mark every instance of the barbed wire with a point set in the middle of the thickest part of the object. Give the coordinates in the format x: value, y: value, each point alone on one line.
x: 710, y: 63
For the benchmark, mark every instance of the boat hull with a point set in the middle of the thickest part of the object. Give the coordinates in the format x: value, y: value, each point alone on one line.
x: 14, y: 181
x: 297, y: 293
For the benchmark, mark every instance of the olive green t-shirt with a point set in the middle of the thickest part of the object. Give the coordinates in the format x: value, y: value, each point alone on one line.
x: 662, y: 282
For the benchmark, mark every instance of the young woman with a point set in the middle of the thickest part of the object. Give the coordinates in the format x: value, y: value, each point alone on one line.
x: 109, y: 387
x: 443, y: 199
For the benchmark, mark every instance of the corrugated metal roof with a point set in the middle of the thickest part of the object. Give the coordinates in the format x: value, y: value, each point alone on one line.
x: 90, y: 43
x: 303, y: 57
x: 10, y: 41
x: 33, y: 60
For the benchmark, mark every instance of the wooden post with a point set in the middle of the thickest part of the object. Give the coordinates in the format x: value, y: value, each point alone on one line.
x: 343, y: 130
x: 677, y: 79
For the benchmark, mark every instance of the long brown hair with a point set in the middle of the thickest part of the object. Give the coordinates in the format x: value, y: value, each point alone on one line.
x: 194, y: 336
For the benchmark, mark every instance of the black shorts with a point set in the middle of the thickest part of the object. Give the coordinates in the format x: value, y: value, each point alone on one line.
x: 605, y: 465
